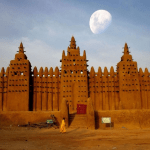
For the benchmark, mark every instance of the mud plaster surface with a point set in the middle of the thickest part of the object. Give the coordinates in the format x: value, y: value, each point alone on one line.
x: 26, y: 138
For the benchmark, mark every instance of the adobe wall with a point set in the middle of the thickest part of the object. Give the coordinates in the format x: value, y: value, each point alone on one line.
x: 18, y: 86
x: 23, y: 117
x: 120, y: 90
x: 144, y: 80
x: 3, y: 88
x: 74, y: 80
x: 43, y: 90
x: 46, y: 89
x: 14, y: 83
x: 104, y: 89
x: 129, y: 119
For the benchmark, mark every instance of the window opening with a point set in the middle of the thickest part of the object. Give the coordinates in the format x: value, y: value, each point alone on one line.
x: 65, y: 71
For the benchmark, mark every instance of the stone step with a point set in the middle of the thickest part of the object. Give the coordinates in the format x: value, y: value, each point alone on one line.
x: 77, y: 114
x: 78, y: 117
x: 78, y: 120
x: 79, y: 124
x: 72, y: 116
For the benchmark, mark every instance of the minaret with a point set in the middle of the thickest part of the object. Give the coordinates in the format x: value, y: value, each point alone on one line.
x: 19, y: 82
x: 129, y: 88
x: 74, y: 85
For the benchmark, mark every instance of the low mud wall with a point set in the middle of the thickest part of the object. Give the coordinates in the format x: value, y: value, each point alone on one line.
x: 23, y: 117
x: 127, y: 119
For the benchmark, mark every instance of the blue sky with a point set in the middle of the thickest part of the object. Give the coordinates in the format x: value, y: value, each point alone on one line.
x: 45, y: 27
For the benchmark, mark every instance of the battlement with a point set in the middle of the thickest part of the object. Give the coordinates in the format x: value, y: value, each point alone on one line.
x: 46, y: 89
x: 46, y: 73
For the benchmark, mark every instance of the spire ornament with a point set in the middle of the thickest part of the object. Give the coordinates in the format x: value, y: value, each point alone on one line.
x: 73, y: 43
x: 21, y: 48
x: 126, y: 49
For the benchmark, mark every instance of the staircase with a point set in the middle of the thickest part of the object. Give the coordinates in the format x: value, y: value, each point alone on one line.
x: 77, y: 120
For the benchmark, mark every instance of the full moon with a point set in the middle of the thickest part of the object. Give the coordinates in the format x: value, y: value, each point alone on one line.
x: 100, y: 21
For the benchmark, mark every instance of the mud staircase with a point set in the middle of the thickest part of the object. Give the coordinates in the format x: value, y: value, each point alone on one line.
x: 77, y: 120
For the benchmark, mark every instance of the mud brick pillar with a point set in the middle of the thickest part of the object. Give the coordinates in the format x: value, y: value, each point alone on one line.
x: 64, y: 112
x: 90, y: 115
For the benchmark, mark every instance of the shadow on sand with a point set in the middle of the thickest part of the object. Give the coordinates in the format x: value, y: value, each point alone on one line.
x: 72, y: 131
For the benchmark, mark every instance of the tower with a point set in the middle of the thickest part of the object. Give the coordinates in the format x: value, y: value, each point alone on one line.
x: 74, y: 86
x: 129, y: 88
x: 18, y: 82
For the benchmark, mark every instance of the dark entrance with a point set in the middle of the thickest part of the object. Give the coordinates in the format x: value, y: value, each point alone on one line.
x: 81, y: 109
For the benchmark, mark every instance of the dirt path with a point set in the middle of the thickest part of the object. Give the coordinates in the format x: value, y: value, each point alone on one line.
x: 25, y: 138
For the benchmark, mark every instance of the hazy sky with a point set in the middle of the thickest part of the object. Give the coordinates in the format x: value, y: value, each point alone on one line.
x: 45, y: 27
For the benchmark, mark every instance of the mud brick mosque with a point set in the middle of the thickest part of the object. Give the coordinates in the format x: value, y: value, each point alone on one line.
x: 22, y: 89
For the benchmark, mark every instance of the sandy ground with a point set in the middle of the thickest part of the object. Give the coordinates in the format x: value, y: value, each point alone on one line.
x: 27, y: 138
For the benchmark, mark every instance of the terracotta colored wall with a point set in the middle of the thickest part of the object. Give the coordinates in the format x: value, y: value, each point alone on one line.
x: 46, y: 87
x: 16, y: 83
x: 18, y: 86
x: 8, y: 118
x: 3, y: 89
x: 104, y: 89
x: 127, y: 88
x: 74, y: 86
x: 129, y: 119
x: 144, y: 79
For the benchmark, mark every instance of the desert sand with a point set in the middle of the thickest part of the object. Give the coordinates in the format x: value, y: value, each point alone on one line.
x: 29, y: 138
